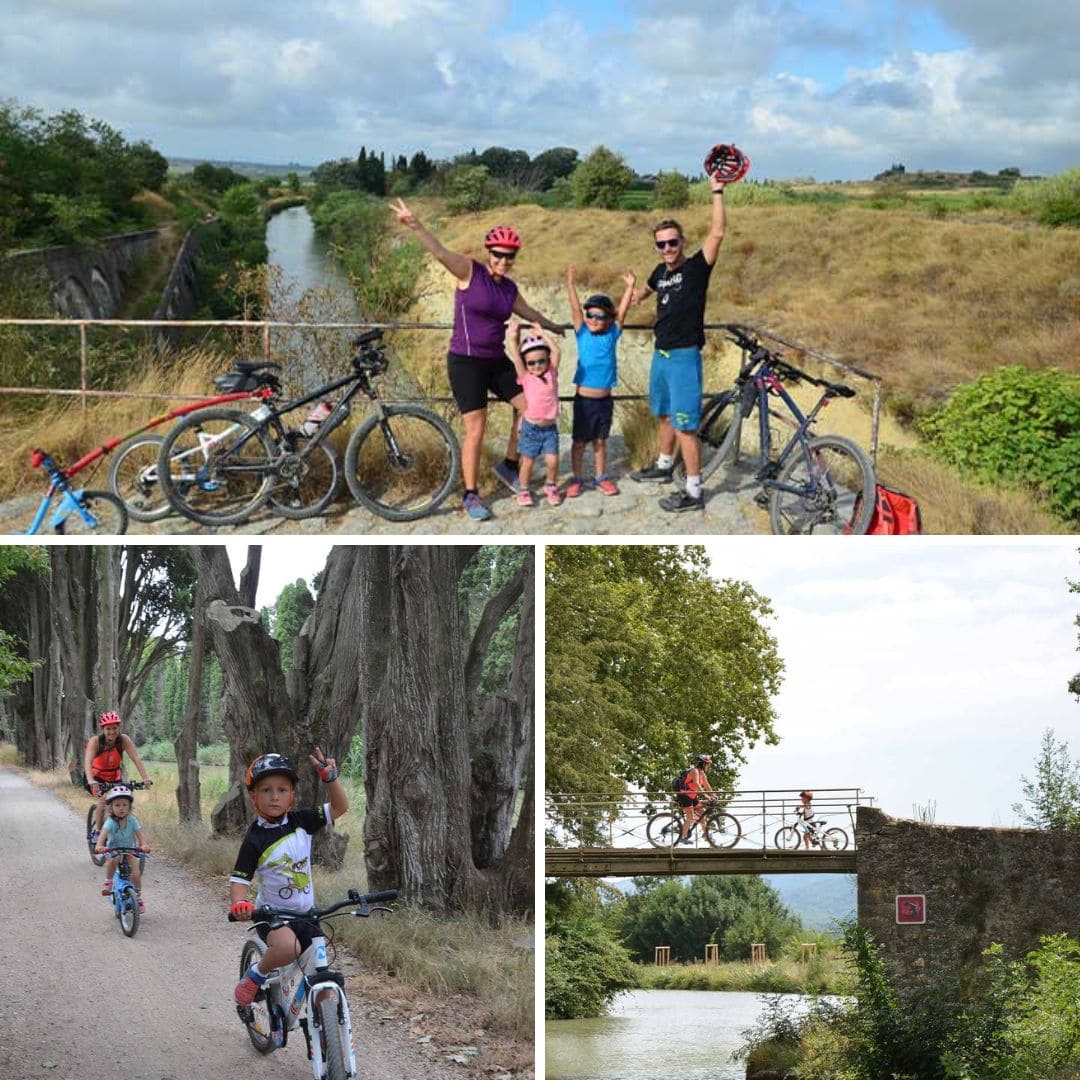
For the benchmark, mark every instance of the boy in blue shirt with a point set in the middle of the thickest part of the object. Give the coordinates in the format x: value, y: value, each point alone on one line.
x: 597, y: 328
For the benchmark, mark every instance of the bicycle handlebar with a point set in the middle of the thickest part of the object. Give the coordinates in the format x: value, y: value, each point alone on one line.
x: 354, y: 899
x: 126, y: 851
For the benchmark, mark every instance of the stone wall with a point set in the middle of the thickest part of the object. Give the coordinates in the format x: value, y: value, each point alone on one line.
x: 981, y: 886
x: 180, y: 297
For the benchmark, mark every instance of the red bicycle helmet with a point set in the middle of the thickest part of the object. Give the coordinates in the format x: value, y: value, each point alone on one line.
x: 502, y: 236
x: 109, y: 718
x: 726, y: 163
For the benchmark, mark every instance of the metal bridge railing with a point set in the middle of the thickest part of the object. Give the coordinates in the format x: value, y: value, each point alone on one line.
x: 584, y: 820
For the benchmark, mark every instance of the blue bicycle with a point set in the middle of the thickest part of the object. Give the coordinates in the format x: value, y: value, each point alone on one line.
x: 124, y: 898
x: 812, y: 484
x: 77, y: 511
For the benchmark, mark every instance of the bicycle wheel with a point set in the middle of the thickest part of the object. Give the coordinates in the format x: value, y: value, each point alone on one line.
x: 719, y: 431
x: 216, y: 466
x: 722, y: 830
x: 664, y: 829
x: 129, y: 911
x: 401, y: 465
x: 258, y: 1028
x: 833, y: 480
x: 133, y: 478
x: 97, y: 860
x: 788, y: 838
x: 305, y: 486
x: 834, y: 840
x: 110, y: 516
x: 334, y: 1053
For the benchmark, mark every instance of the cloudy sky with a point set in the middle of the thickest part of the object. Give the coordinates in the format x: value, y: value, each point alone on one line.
x: 836, y: 89
x: 919, y: 672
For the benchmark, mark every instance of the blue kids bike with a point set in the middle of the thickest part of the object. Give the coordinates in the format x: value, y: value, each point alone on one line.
x: 77, y: 512
x: 124, y: 898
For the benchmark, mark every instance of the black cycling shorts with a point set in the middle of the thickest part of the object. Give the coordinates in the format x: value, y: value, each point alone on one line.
x: 686, y: 800
x: 472, y: 378
x: 304, y: 930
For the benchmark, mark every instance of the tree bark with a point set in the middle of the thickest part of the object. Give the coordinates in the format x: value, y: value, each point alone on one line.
x: 186, y: 744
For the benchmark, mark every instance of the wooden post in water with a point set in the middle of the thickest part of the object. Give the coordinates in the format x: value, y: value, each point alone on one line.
x: 806, y: 950
x: 712, y: 954
x: 662, y: 955
x: 757, y: 953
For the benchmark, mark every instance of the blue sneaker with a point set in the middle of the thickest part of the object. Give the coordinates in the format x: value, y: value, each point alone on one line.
x: 507, y: 476
x: 475, y: 508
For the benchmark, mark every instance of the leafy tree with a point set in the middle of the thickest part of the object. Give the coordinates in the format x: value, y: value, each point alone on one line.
x: 1074, y: 682
x: 216, y: 178
x: 420, y: 167
x: 293, y: 607
x: 14, y: 666
x: 471, y: 188
x: 554, y: 164
x: 651, y: 660
x: 293, y: 181
x: 601, y: 179
x: 1053, y: 796
x: 672, y: 191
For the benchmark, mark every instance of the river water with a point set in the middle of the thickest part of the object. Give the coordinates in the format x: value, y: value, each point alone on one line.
x: 655, y: 1035
x: 302, y: 256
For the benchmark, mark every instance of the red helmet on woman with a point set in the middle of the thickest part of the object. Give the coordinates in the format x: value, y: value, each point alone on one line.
x: 502, y: 236
x: 109, y: 718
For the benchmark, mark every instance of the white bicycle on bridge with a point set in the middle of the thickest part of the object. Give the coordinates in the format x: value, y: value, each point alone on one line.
x: 790, y: 837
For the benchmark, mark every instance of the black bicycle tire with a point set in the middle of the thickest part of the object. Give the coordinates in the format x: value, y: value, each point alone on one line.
x: 666, y: 835
x: 129, y: 906
x: 122, y: 452
x: 175, y: 497
x: 787, y: 831
x: 251, y: 954
x: 834, y: 831
x: 97, y: 860
x: 863, y: 501
x: 445, y: 484
x: 93, y: 501
x: 325, y: 499
x: 714, y: 452
x: 735, y: 834
x: 336, y: 1058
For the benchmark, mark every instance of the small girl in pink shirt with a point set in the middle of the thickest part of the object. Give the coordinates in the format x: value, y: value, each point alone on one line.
x: 536, y: 360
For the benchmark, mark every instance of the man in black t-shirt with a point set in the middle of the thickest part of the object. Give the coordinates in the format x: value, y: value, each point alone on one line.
x: 680, y: 284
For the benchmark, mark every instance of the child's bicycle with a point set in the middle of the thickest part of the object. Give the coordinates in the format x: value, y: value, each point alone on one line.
x: 306, y: 993
x: 813, y: 484
x: 91, y: 833
x: 720, y: 828
x: 78, y: 511
x: 125, y: 901
x: 790, y: 837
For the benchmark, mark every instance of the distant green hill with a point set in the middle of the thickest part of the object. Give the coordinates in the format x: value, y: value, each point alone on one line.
x: 252, y: 169
x: 818, y: 899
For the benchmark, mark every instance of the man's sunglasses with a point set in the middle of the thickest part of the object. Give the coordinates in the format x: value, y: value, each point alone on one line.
x: 509, y: 256
x: 661, y: 244
x: 597, y: 314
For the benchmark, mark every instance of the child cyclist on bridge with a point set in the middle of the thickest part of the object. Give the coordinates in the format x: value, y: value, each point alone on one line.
x: 276, y: 854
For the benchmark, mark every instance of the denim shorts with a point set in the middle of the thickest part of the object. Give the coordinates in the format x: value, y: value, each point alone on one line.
x: 675, y: 387
x: 534, y: 440
x: 592, y: 417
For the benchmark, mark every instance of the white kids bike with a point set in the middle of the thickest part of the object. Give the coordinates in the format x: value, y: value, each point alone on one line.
x: 306, y: 993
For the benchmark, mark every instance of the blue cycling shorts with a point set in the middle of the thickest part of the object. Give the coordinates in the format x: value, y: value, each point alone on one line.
x: 675, y: 387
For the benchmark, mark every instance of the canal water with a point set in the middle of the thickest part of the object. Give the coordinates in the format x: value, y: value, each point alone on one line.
x: 302, y: 256
x: 656, y: 1035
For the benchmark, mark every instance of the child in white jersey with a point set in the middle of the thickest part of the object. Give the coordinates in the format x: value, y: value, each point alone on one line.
x: 276, y: 853
x: 536, y: 359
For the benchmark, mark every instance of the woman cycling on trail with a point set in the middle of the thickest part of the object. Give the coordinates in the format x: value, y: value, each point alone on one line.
x: 690, y: 798
x: 477, y: 362
x: 103, y: 762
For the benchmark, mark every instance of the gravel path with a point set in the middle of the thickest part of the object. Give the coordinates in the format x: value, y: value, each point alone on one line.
x: 82, y: 1002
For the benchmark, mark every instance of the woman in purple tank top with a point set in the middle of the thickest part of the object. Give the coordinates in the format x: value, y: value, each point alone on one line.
x: 477, y: 362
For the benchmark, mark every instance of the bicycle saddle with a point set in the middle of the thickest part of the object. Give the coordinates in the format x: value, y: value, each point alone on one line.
x: 247, y: 367
x: 838, y: 389
x: 368, y: 338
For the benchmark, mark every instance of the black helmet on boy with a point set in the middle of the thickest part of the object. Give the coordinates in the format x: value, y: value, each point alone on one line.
x: 267, y: 765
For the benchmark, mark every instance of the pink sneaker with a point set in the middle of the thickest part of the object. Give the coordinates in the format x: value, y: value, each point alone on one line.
x: 142, y: 906
x: 525, y: 498
x: 608, y: 487
x: 245, y: 991
x: 575, y: 487
x: 553, y: 494
x: 106, y: 888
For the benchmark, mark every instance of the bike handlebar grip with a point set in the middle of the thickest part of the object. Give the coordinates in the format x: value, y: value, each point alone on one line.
x: 379, y: 897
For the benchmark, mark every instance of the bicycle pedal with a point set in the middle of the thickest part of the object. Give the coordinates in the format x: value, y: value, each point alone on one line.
x: 762, y: 498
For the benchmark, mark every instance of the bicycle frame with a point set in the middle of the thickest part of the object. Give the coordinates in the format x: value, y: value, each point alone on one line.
x: 70, y: 503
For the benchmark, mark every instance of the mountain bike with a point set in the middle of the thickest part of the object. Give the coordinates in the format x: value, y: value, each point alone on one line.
x: 219, y: 466
x: 91, y: 832
x: 133, y: 474
x: 125, y: 900
x: 720, y: 828
x: 790, y: 837
x: 78, y: 511
x: 306, y: 993
x: 812, y: 484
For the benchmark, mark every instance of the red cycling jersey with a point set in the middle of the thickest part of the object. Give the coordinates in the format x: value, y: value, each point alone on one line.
x: 106, y: 764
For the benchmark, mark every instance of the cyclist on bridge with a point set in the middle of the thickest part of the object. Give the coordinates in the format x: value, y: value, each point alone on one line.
x: 805, y: 813
x: 691, y: 798
x: 103, y: 762
x: 276, y: 854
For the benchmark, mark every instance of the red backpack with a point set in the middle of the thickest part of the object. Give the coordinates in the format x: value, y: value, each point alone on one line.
x: 895, y: 514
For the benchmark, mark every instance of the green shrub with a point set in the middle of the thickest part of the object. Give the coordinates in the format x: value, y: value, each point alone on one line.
x: 1016, y: 425
x: 1053, y: 201
x: 672, y: 191
x: 601, y: 179
x: 585, y: 967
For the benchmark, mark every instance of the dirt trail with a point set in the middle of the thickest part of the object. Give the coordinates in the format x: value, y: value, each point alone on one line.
x: 82, y: 1002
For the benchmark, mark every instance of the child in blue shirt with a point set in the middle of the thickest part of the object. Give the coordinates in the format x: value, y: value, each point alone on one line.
x: 597, y: 328
x: 121, y: 829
